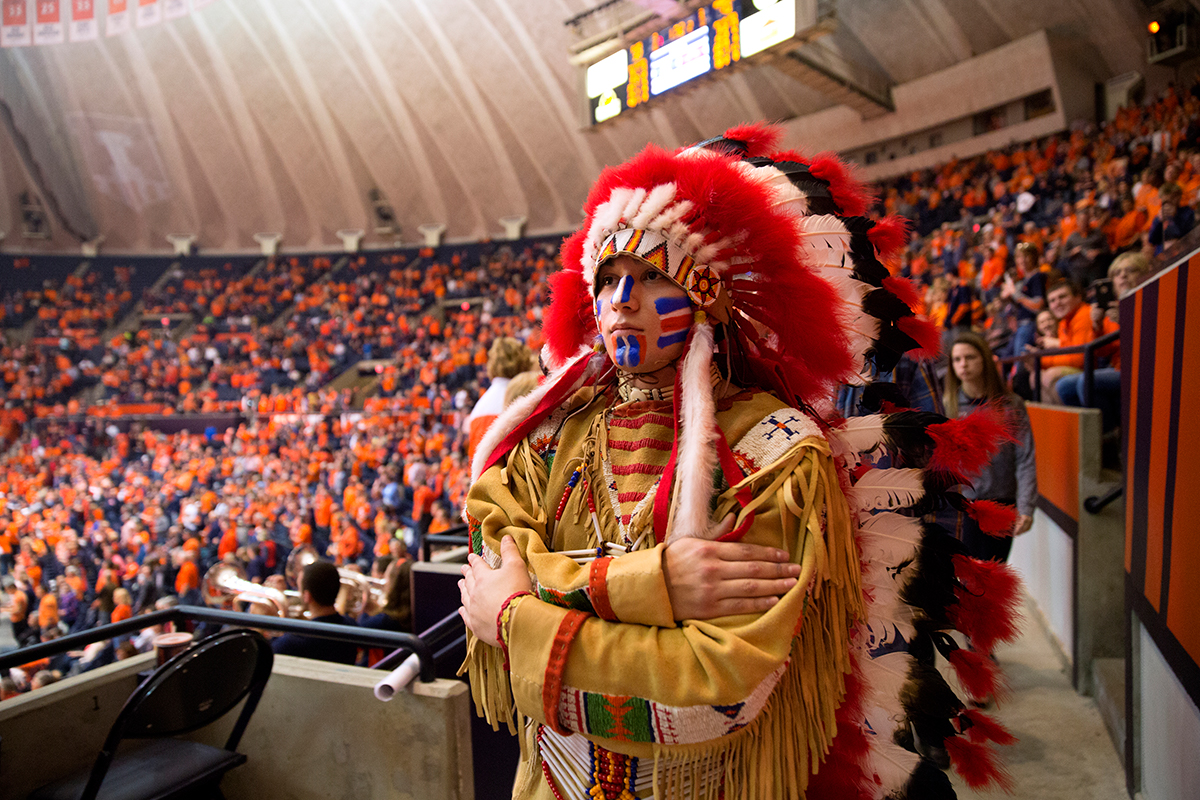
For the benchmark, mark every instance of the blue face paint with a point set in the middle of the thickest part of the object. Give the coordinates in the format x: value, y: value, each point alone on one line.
x: 628, y: 350
x: 599, y: 307
x: 675, y: 317
x: 623, y: 291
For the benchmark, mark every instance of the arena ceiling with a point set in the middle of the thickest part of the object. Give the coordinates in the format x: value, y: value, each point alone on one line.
x: 295, y: 116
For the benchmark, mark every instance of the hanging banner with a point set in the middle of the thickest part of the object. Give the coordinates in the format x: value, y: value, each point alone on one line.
x: 16, y: 30
x: 149, y: 12
x: 117, y: 21
x: 174, y: 9
x: 83, y: 21
x: 49, y: 24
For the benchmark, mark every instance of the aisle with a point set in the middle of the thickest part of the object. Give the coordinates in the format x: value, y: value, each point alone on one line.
x: 1064, y: 752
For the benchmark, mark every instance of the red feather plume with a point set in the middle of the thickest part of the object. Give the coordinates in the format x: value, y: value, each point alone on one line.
x: 986, y: 729
x: 964, y: 446
x: 889, y: 235
x: 994, y: 519
x: 760, y: 139
x: 989, y: 594
x: 978, y: 674
x: 567, y: 323
x: 926, y: 334
x: 977, y: 764
x: 848, y: 194
x: 905, y: 290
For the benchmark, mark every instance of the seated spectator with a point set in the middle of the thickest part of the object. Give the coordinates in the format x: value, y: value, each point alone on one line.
x: 1074, y: 328
x: 1126, y: 272
x: 319, y: 585
x: 1173, y: 221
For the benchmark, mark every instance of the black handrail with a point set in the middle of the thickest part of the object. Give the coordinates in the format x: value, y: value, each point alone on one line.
x: 449, y: 626
x: 352, y: 634
x: 1089, y: 364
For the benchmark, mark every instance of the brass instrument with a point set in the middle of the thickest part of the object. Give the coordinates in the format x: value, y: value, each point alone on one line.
x: 225, y: 583
x: 358, y: 586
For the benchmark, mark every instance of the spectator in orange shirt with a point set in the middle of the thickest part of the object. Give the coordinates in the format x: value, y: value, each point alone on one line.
x: 1074, y: 328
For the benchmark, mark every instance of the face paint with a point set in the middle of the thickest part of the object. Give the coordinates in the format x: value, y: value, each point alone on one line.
x: 623, y: 291
x: 628, y: 350
x: 675, y: 314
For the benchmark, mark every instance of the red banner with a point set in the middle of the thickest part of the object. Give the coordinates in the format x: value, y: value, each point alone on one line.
x: 82, y: 10
x: 16, y: 31
x: 14, y: 12
x: 48, y: 12
x: 83, y: 21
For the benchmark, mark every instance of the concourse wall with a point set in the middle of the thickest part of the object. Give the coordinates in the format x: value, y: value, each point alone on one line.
x: 1160, y: 357
x: 1070, y: 560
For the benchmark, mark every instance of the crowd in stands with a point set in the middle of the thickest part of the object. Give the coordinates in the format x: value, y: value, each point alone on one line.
x: 1028, y: 246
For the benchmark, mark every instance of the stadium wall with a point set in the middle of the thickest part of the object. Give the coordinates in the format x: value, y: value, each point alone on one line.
x: 935, y: 116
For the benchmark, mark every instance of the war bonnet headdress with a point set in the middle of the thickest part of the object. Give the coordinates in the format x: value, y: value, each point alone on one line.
x: 786, y: 276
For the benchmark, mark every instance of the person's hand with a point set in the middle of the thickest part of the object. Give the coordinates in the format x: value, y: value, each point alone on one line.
x: 1097, y: 317
x: 709, y: 579
x: 484, y: 589
x: 1024, y: 523
x: 1008, y: 289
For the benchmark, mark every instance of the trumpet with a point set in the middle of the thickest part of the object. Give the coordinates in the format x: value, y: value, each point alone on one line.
x: 225, y: 583
x: 359, y: 587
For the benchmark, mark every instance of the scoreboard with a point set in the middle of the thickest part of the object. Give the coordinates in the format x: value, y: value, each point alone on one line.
x: 712, y: 38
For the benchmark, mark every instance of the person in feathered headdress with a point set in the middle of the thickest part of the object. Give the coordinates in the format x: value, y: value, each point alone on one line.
x: 714, y: 299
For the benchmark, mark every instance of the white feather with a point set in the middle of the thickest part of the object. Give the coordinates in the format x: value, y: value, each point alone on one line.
x: 887, y: 489
x: 670, y: 215
x: 659, y: 198
x: 887, y: 675
x: 858, y: 434
x: 697, y: 456
x: 892, y: 765
x: 635, y: 202
x: 889, y: 538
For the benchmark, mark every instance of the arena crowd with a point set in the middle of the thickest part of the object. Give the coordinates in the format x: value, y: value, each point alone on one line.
x: 102, y: 519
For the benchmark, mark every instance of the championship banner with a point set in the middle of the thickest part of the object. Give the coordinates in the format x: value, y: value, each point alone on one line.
x: 16, y: 31
x: 174, y: 9
x: 149, y: 12
x: 83, y: 21
x: 118, y: 20
x: 49, y: 24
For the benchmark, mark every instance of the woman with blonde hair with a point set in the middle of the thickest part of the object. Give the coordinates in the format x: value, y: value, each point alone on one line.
x: 973, y: 382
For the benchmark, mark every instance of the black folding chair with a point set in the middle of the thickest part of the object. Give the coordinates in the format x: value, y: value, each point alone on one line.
x: 193, y: 689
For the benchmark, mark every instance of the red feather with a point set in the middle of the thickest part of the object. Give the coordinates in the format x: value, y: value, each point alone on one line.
x: 977, y: 764
x: 994, y: 519
x: 889, y: 235
x: 850, y: 196
x: 926, y: 334
x: 985, y: 729
x: 567, y: 322
x: 759, y: 137
x: 964, y: 446
x: 978, y: 674
x: 989, y: 594
x: 905, y: 290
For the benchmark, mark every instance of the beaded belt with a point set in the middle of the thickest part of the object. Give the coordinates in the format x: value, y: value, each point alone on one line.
x: 579, y: 769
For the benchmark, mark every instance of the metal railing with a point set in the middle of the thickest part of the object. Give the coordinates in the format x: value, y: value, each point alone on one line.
x: 401, y: 643
x: 1089, y: 364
